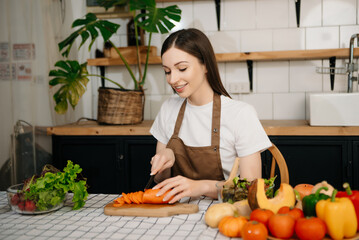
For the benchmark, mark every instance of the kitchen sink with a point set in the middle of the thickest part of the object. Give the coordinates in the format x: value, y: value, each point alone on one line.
x: 334, y: 109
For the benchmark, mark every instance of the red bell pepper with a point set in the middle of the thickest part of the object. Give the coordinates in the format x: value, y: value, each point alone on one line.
x: 353, y: 196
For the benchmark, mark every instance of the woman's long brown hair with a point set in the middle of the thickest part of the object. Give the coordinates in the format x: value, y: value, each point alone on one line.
x: 196, y: 43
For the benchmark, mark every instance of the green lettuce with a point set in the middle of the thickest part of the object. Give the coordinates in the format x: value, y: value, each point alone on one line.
x: 50, y: 189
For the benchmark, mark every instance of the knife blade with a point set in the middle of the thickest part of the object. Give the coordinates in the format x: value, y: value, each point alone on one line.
x: 150, y: 181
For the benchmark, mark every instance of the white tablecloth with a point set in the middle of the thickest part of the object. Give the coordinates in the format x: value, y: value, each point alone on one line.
x: 91, y: 223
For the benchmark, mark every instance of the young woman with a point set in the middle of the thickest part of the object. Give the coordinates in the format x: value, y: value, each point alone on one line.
x: 201, y: 130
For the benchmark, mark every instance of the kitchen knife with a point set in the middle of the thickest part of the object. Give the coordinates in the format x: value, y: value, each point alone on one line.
x: 150, y: 181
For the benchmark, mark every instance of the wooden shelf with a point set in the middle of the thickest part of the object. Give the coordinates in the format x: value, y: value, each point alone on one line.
x: 243, y: 56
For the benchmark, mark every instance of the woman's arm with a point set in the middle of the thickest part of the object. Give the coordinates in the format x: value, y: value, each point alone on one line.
x: 250, y: 166
x: 162, y: 162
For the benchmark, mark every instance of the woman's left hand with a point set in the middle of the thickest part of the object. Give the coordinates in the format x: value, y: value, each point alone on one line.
x: 181, y: 187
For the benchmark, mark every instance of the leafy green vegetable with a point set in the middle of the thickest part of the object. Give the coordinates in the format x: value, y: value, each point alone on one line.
x: 239, y: 190
x: 50, y: 189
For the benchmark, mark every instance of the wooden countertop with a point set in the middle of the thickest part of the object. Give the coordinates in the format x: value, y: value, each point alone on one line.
x: 272, y: 128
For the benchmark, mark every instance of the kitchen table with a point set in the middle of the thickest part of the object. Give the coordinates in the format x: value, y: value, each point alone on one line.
x: 91, y: 223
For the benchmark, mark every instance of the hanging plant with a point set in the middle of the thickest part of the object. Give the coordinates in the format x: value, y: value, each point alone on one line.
x: 146, y: 15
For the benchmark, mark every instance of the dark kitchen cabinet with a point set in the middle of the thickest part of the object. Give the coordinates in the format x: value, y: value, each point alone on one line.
x: 355, y: 162
x: 312, y: 159
x: 116, y: 164
x: 111, y: 164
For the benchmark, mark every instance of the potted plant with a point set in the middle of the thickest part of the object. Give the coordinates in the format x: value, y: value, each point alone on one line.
x: 116, y: 105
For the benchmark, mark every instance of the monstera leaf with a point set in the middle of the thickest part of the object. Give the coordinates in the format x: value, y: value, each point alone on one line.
x: 88, y: 27
x: 73, y: 80
x: 153, y: 19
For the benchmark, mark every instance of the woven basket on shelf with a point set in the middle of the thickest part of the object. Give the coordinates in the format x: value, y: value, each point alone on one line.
x: 117, y: 106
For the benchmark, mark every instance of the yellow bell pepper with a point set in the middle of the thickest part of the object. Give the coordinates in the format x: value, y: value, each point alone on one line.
x: 339, y: 216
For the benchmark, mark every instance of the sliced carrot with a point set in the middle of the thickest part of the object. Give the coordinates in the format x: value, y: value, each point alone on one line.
x: 118, y: 204
x: 126, y: 198
x: 140, y: 196
x: 122, y: 201
x: 134, y: 198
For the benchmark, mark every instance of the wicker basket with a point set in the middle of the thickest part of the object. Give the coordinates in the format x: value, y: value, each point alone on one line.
x: 117, y: 106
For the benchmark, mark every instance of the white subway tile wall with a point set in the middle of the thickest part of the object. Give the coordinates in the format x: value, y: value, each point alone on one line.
x: 322, y: 37
x: 225, y: 41
x: 333, y: 12
x: 303, y: 78
x: 264, y: 14
x: 288, y: 106
x: 288, y: 39
x: 256, y: 40
x: 281, y: 89
x: 311, y: 13
x: 345, y: 33
x: 238, y: 15
x: 272, y: 77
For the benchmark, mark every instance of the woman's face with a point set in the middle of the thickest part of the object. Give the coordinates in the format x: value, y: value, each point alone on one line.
x: 185, y: 74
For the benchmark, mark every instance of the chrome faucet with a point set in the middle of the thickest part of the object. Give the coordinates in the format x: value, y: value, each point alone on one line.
x: 351, y: 66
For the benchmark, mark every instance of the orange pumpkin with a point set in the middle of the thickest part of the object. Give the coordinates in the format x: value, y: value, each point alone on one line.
x: 231, y: 226
x: 304, y: 189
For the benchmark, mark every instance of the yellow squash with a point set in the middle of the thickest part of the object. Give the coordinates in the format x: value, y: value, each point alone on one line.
x: 257, y: 196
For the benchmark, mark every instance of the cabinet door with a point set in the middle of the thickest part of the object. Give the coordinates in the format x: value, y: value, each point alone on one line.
x: 99, y: 157
x: 355, y: 163
x: 138, y: 152
x: 314, y: 159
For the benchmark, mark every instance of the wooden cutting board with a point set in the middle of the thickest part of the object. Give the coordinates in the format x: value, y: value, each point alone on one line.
x: 150, y: 210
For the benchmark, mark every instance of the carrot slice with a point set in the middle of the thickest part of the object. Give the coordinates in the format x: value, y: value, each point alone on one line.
x: 140, y: 196
x: 118, y: 204
x: 132, y: 197
x: 126, y: 198
x: 122, y: 201
x: 135, y: 197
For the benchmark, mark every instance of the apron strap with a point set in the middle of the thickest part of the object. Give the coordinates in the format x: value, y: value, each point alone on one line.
x: 179, y: 119
x: 216, y: 120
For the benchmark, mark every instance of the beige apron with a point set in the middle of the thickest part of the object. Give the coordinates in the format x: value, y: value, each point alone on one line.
x: 198, y: 162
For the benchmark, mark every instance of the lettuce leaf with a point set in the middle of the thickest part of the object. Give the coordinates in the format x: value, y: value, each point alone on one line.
x: 50, y: 189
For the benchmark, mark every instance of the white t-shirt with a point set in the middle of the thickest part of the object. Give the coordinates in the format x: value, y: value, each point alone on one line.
x: 241, y: 133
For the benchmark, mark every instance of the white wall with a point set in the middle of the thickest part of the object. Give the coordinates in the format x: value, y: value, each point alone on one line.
x: 280, y: 88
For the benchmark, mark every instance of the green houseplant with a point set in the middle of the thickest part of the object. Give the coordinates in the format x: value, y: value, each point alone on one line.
x: 72, y: 77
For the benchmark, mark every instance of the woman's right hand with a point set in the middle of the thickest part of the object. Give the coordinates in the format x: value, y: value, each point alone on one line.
x: 164, y: 159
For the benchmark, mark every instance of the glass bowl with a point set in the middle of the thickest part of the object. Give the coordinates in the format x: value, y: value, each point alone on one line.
x: 228, y: 193
x: 19, y: 204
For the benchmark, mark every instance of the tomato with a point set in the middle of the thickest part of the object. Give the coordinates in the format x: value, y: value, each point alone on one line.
x: 304, y: 189
x: 310, y: 228
x: 261, y: 215
x: 281, y: 225
x: 296, y: 213
x: 254, y: 230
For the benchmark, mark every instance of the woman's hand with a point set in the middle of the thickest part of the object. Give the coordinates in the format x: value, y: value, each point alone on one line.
x: 185, y: 187
x: 163, y: 159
